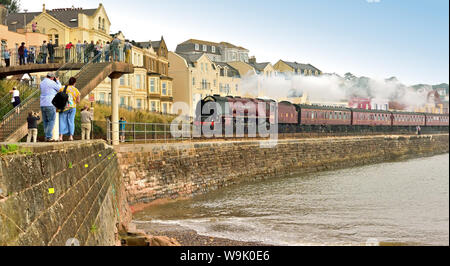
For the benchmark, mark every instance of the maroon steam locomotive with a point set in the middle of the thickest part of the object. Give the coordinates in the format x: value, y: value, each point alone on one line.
x: 293, y: 118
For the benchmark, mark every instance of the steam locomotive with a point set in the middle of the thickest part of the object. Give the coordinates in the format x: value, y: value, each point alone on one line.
x: 296, y: 118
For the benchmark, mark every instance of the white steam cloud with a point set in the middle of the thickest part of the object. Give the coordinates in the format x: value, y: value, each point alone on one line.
x: 331, y: 88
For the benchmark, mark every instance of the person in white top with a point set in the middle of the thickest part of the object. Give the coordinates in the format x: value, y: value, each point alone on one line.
x: 15, y: 100
x: 15, y: 97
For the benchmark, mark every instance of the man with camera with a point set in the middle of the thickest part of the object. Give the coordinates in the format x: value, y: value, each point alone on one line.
x: 32, y: 126
x: 50, y: 86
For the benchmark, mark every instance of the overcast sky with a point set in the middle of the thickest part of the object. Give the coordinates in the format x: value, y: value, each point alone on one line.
x: 375, y: 38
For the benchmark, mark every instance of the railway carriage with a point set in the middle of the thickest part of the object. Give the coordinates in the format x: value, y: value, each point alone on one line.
x: 324, y: 118
x: 371, y: 120
x: 287, y: 117
x: 407, y: 121
x: 436, y: 121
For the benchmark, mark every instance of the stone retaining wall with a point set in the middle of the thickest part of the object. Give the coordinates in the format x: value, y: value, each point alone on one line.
x: 170, y: 171
x: 53, y: 192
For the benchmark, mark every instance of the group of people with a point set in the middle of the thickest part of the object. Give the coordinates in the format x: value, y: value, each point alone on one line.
x: 24, y: 55
x: 49, y: 87
x: 81, y: 52
x: 98, y: 52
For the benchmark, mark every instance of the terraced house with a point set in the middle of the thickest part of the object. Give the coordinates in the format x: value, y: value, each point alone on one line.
x: 254, y: 74
x: 150, y: 87
x: 196, y: 76
x: 297, y: 68
x: 218, y: 52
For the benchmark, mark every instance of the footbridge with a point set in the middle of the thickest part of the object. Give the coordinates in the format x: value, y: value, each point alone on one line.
x: 36, y: 68
x: 13, y: 126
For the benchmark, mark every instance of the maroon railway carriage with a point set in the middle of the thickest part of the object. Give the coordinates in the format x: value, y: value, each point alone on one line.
x: 362, y: 117
x: 408, y: 119
x: 287, y: 117
x: 324, y: 115
x: 437, y: 120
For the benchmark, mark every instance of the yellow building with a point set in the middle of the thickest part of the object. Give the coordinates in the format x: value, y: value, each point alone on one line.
x: 255, y: 76
x: 297, y: 68
x: 196, y: 76
x: 65, y: 25
x: 150, y: 87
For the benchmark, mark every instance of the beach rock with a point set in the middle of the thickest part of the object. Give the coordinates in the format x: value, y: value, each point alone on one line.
x: 163, y: 241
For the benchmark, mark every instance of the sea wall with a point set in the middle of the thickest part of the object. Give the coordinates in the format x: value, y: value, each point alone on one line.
x: 50, y: 193
x: 169, y: 171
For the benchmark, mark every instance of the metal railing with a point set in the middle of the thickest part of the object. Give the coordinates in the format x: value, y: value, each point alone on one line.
x: 33, y: 91
x: 132, y: 132
x: 14, y: 118
x: 83, y: 53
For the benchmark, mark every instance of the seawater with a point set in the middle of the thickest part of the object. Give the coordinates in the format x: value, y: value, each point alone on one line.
x: 400, y: 202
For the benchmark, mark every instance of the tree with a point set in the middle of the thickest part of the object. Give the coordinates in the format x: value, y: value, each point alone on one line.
x: 13, y: 6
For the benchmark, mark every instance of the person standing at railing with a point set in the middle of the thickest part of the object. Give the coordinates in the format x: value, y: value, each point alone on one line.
x: 49, y: 88
x: 106, y: 50
x: 7, y: 57
x: 97, y: 52
x: 67, y: 116
x: 69, y: 47
x: 32, y: 126
x: 51, y: 51
x: 25, y: 55
x: 31, y: 56
x: 85, y: 52
x: 44, y: 53
x: 79, y: 50
x: 90, y: 50
x: 115, y: 49
x: 21, y: 52
x: 86, y: 122
x: 127, y: 50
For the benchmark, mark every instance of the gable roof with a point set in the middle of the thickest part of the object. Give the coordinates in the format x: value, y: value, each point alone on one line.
x: 298, y: 66
x: 223, y: 44
x: 190, y: 47
x: 191, y: 58
x: 155, y: 45
x: 232, y: 72
x: 259, y: 66
x: 68, y: 16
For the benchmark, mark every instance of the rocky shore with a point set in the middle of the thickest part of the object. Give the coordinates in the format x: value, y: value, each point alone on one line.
x: 187, y: 237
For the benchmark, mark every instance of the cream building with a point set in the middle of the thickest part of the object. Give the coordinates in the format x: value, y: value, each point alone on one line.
x: 218, y: 52
x: 65, y: 25
x: 196, y: 76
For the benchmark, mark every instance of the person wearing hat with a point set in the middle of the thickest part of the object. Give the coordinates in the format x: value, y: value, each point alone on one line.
x: 50, y: 86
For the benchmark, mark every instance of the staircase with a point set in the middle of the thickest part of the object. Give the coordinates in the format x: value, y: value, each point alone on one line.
x: 14, y: 127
